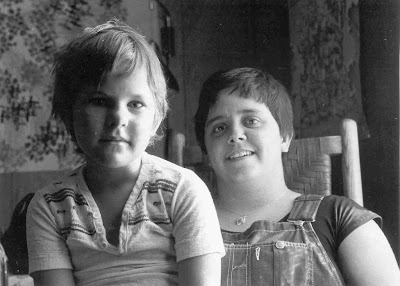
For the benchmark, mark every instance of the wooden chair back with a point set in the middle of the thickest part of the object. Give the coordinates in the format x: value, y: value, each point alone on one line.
x: 307, y: 165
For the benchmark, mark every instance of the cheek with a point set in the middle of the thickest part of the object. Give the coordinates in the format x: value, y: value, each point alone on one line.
x: 85, y: 116
x: 214, y: 149
x: 209, y: 146
x: 79, y: 123
x: 143, y: 128
x: 86, y: 123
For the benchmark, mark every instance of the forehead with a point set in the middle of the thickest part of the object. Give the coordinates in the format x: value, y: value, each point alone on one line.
x: 135, y: 82
x: 231, y: 103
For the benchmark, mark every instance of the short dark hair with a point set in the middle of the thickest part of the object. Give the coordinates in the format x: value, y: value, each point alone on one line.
x: 109, y: 48
x: 247, y: 83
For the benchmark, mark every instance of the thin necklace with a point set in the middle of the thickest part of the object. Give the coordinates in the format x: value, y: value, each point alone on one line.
x: 242, y: 217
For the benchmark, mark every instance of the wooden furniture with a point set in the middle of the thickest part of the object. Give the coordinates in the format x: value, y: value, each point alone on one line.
x: 307, y: 165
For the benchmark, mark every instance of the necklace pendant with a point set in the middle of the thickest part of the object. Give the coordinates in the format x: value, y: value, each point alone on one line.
x: 241, y: 220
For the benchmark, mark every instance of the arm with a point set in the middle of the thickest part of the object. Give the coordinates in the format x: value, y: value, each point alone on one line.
x: 49, y: 260
x: 366, y: 258
x: 198, y: 240
x: 60, y: 277
x: 204, y: 270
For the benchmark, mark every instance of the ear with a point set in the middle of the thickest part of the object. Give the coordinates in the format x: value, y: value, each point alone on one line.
x: 285, y: 143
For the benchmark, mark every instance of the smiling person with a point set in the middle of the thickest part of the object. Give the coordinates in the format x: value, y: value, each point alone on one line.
x: 272, y: 235
x: 124, y: 217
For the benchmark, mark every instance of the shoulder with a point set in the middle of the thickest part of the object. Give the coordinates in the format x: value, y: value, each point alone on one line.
x: 60, y: 205
x: 57, y: 190
x: 158, y: 168
x: 332, y: 204
x: 342, y: 207
x: 341, y: 216
x: 67, y: 180
x: 161, y: 163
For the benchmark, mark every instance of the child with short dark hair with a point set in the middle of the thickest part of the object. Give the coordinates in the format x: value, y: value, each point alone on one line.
x: 125, y: 217
x: 272, y: 235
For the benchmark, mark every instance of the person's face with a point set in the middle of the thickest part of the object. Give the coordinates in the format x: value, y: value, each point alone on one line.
x: 113, y: 126
x: 242, y: 139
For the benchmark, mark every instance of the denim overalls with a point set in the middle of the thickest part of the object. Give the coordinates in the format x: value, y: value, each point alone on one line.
x: 279, y: 253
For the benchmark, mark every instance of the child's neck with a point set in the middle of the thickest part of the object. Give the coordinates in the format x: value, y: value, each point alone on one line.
x: 111, y: 180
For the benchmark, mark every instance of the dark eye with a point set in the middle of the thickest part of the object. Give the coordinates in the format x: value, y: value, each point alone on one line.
x: 218, y: 128
x: 135, y: 104
x: 98, y: 101
x: 252, y: 121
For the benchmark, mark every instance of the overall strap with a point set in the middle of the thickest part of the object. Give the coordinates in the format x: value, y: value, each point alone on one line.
x: 305, y: 208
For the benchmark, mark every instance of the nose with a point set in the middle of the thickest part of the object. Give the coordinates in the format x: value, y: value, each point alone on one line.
x: 237, y: 135
x: 118, y: 116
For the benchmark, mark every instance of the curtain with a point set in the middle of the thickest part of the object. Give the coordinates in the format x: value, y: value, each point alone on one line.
x: 325, y: 74
x: 31, y: 32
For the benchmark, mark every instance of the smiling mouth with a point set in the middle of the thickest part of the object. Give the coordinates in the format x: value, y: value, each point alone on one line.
x: 240, y: 154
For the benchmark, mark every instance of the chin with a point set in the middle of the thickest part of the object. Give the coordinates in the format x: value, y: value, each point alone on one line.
x: 243, y: 174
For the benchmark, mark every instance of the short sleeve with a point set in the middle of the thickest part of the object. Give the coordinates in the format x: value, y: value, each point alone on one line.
x: 350, y: 216
x: 46, y: 247
x: 196, y: 226
x: 336, y: 218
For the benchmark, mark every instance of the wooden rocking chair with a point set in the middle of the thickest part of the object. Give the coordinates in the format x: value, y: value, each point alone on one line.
x: 307, y: 165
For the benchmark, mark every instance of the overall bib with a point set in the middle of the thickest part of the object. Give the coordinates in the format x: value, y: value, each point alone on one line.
x: 280, y: 253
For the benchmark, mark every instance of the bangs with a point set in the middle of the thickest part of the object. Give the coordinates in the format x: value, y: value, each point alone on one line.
x: 127, y: 59
x: 247, y: 91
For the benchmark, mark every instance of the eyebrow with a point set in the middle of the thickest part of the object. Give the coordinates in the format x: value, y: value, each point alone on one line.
x: 219, y: 117
x: 100, y: 92
x: 209, y: 122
